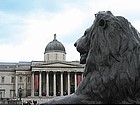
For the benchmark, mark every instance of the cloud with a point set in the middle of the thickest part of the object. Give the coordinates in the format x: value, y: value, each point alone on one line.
x: 36, y: 30
x: 23, y: 37
x: 11, y: 27
x: 40, y: 27
x: 116, y: 5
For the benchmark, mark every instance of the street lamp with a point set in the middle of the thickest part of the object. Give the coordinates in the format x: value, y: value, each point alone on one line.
x: 1, y: 95
x: 20, y: 92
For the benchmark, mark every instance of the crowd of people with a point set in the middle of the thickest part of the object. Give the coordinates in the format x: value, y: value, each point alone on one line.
x: 30, y: 102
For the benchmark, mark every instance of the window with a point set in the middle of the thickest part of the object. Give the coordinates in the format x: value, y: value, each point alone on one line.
x: 28, y: 79
x: 63, y: 57
x: 2, y: 93
x: 2, y: 79
x: 20, y: 79
x: 12, y: 93
x: 12, y: 79
x: 56, y: 56
x: 48, y: 57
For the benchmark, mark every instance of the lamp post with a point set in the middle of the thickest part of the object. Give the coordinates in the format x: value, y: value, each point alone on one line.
x: 1, y: 95
x: 20, y: 92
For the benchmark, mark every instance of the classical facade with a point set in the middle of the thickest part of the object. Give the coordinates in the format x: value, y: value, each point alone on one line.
x: 52, y: 77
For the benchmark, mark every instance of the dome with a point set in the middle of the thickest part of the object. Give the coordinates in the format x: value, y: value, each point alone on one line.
x: 55, y: 46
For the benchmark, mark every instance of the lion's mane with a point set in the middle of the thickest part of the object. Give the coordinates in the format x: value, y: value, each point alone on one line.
x: 111, y: 74
x: 110, y: 50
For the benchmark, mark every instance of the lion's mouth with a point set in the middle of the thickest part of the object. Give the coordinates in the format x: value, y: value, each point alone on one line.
x: 83, y: 53
x: 83, y: 57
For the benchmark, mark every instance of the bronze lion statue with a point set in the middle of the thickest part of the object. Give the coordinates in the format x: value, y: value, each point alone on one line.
x: 110, y: 50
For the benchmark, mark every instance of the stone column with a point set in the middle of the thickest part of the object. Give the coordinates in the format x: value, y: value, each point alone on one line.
x: 68, y: 83
x: 54, y: 84
x: 61, y: 83
x: 47, y: 83
x: 40, y: 83
x: 32, y: 87
x: 16, y: 85
x: 75, y: 81
x: 82, y: 75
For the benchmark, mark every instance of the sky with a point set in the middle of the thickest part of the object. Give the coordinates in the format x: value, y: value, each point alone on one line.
x: 27, y: 26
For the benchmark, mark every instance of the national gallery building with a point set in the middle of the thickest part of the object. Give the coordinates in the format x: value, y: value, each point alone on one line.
x: 52, y: 77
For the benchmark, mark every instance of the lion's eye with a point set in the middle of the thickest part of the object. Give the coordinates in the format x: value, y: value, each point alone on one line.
x: 85, y: 33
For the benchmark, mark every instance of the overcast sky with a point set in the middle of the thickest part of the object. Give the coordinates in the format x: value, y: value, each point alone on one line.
x: 27, y: 26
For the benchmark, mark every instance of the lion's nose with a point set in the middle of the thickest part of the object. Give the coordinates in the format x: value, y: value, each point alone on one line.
x: 75, y: 44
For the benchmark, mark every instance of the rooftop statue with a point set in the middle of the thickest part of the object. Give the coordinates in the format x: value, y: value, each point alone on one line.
x: 110, y: 50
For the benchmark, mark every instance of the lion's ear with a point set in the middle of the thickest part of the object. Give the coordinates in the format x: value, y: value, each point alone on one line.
x: 102, y: 22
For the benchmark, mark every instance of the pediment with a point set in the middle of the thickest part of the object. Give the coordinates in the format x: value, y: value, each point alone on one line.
x: 57, y: 66
x: 67, y: 64
x: 60, y: 64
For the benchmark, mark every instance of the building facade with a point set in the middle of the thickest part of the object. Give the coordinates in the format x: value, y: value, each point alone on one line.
x: 52, y: 77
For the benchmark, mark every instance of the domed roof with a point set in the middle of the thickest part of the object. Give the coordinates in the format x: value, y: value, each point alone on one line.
x: 55, y: 46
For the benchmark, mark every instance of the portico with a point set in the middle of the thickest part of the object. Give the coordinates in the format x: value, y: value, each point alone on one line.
x: 55, y: 83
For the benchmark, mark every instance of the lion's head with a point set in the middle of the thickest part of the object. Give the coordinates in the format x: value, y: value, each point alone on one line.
x: 110, y: 50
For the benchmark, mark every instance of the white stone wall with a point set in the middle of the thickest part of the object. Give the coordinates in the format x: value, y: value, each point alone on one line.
x: 6, y: 87
x: 24, y: 83
x: 9, y: 89
x: 55, y: 56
